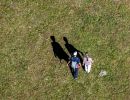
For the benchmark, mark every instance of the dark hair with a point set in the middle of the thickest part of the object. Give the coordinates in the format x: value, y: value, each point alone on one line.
x: 52, y: 38
x: 86, y: 54
x: 86, y: 58
x: 65, y: 39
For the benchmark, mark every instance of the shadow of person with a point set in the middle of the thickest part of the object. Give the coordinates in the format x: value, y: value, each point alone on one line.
x: 71, y: 49
x: 58, y: 50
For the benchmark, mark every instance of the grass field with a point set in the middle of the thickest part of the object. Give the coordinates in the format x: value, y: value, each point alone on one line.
x: 30, y: 71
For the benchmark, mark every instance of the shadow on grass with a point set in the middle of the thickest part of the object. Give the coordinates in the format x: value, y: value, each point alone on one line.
x: 58, y: 50
x: 61, y: 54
x: 71, y: 49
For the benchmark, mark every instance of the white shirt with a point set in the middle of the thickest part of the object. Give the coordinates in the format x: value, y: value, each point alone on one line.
x: 87, y: 62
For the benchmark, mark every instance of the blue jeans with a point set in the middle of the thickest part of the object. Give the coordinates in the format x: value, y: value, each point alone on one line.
x: 76, y: 73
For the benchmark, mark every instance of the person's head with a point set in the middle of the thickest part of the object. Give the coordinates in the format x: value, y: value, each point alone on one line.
x: 75, y: 54
x: 52, y: 38
x: 86, y: 54
x: 65, y: 39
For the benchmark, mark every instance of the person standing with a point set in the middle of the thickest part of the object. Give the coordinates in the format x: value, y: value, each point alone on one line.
x: 87, y: 62
x: 74, y: 64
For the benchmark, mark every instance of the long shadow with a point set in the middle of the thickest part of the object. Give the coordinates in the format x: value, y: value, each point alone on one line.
x: 71, y: 49
x: 58, y: 50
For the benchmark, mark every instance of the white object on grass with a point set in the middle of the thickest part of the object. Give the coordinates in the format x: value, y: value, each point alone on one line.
x: 102, y: 73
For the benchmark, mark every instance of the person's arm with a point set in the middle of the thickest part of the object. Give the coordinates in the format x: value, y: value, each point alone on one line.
x: 79, y: 64
x: 92, y: 60
x: 84, y: 59
x: 68, y: 63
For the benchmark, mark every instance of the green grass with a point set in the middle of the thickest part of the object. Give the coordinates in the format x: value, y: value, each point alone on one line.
x: 28, y: 68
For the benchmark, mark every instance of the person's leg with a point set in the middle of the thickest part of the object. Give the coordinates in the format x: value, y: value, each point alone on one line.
x: 76, y: 73
x: 89, y: 68
x: 86, y: 68
x: 73, y: 72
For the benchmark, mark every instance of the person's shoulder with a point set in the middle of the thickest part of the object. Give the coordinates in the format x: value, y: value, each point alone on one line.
x: 77, y: 58
x: 72, y: 58
x: 90, y: 58
x: 84, y: 57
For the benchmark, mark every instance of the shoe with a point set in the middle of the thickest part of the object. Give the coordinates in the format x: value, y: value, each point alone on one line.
x: 86, y: 72
x: 75, y: 78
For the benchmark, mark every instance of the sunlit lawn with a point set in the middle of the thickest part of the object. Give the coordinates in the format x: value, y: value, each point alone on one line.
x: 30, y: 71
